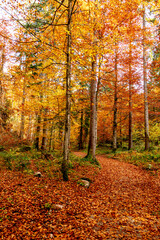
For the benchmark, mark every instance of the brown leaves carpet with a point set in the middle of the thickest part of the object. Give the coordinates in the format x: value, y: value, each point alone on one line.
x: 122, y: 202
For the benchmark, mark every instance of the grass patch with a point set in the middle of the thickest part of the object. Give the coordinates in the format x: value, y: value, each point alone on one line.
x: 2, y: 148
x: 14, y: 161
x: 104, y: 150
x: 90, y: 160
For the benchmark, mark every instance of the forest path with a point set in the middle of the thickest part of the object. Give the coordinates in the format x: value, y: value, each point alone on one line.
x: 122, y: 202
x: 128, y: 200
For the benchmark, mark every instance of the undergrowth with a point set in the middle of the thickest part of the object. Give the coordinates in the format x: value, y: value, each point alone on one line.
x: 29, y: 160
x: 149, y: 160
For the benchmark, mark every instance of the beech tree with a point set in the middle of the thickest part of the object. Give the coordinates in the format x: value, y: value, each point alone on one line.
x: 68, y: 94
x: 4, y: 52
x: 146, y: 115
x: 115, y: 100
x: 1, y: 78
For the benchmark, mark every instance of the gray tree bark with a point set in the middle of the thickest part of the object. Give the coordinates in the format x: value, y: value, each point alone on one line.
x: 22, y: 113
x: 93, y: 113
x: 115, y: 102
x: 38, y: 129
x: 130, y: 143
x: 1, y: 87
x: 81, y: 131
x: 29, y: 127
x: 51, y: 140
x: 146, y: 115
x: 68, y: 97
x: 44, y: 138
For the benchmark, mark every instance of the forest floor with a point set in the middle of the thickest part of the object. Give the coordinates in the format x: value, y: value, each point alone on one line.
x: 122, y: 202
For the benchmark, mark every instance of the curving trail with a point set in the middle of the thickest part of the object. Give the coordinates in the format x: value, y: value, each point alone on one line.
x: 129, y: 200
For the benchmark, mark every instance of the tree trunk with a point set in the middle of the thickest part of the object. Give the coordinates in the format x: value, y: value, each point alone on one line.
x: 68, y: 97
x: 92, y: 137
x: 97, y: 90
x: 22, y: 113
x: 146, y: 115
x: 44, y: 138
x: 1, y: 88
x: 38, y: 128
x: 115, y: 102
x: 86, y: 124
x: 51, y: 146
x: 29, y: 127
x: 81, y: 132
x: 120, y: 131
x: 130, y: 143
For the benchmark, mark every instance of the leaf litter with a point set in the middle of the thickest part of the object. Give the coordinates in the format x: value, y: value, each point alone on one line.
x: 122, y: 202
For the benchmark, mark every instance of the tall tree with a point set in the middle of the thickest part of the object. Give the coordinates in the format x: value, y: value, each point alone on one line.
x: 93, y: 112
x: 80, y: 147
x: 68, y: 93
x: 22, y: 68
x: 130, y: 143
x: 146, y: 115
x: 115, y: 99
x: 1, y: 78
x: 95, y: 51
x: 44, y: 136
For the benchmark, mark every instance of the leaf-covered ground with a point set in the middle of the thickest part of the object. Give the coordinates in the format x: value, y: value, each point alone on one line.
x: 122, y: 202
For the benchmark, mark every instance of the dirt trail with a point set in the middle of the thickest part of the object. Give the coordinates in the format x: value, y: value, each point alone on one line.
x: 129, y: 200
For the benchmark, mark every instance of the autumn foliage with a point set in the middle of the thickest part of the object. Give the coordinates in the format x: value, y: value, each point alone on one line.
x: 109, y: 33
x: 121, y: 202
x: 79, y: 74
